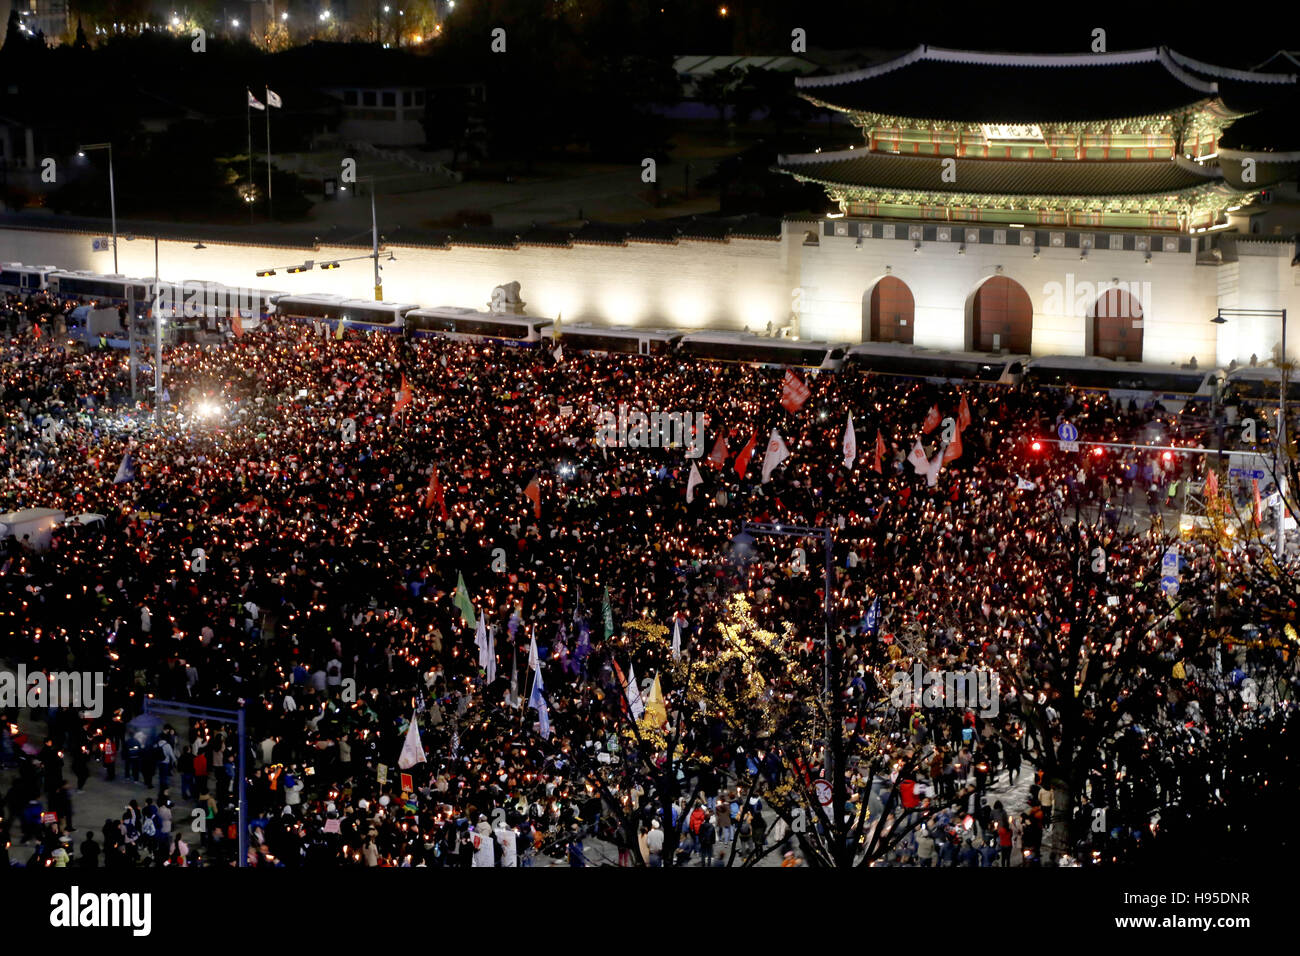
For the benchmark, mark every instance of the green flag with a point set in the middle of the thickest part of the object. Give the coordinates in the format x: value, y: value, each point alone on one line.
x: 609, y: 617
x: 463, y: 602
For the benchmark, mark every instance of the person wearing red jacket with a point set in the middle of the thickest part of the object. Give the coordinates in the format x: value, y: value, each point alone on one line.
x: 110, y: 759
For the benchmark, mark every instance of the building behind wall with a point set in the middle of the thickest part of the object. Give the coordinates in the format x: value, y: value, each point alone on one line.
x: 1047, y: 204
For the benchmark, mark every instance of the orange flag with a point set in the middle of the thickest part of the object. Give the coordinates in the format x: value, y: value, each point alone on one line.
x: 434, y: 495
x: 953, y: 451
x: 237, y: 325
x: 534, y: 493
x: 877, y: 464
x: 963, y: 413
x: 404, y: 396
x: 932, y: 420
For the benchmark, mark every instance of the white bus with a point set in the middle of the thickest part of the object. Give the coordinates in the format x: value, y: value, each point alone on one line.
x: 353, y: 313
x: 454, y: 322
x: 759, y: 350
x: 16, y: 277
x: 1260, y: 384
x: 911, y: 361
x: 1140, y: 382
x: 94, y: 289
x: 616, y: 338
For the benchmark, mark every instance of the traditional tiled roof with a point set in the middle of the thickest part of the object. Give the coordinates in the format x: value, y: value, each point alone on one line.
x: 601, y: 234
x: 1011, y: 177
x: 647, y: 231
x: 966, y: 86
x: 537, y: 235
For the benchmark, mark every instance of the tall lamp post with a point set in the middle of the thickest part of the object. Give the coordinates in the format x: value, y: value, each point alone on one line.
x: 834, y: 740
x: 112, y: 193
x: 1279, y: 452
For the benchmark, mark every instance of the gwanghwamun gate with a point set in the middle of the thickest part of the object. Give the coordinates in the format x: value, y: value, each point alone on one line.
x: 1091, y: 204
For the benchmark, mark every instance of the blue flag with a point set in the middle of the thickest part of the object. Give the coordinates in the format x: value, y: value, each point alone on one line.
x: 126, y: 470
x: 544, y: 721
x: 584, y: 640
x: 872, y: 621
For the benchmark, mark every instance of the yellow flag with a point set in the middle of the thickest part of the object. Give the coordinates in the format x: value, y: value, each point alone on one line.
x: 1179, y: 672
x: 338, y: 332
x: 655, y: 710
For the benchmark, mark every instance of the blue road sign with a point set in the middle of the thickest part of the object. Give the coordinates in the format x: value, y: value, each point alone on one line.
x: 1255, y: 473
x: 1067, y: 432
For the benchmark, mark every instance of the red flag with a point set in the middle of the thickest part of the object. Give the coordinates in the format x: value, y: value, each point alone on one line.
x: 534, y: 493
x: 718, y: 457
x: 953, y: 451
x: 404, y: 396
x: 742, y: 460
x: 963, y: 413
x: 435, y: 495
x: 932, y: 420
x: 36, y: 330
x: 793, y: 392
x: 1259, y: 507
x: 878, y: 463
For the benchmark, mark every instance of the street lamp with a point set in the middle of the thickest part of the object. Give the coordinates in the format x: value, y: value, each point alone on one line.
x: 112, y: 193
x: 1279, y: 468
x: 834, y: 740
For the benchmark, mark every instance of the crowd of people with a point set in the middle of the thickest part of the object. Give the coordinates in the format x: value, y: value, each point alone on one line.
x: 320, y: 525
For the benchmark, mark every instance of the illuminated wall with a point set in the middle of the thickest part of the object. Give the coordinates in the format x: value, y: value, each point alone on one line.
x: 747, y: 283
x: 744, y: 283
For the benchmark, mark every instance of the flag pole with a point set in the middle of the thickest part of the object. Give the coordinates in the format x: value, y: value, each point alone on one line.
x: 270, y: 205
x: 248, y: 109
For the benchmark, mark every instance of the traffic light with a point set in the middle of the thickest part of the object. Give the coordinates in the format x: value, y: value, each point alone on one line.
x: 1035, y: 446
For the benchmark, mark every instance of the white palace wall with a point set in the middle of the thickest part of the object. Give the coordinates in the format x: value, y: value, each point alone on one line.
x: 742, y: 283
x: 747, y: 283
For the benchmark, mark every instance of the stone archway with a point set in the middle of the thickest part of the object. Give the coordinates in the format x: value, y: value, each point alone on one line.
x: 1002, y: 317
x: 889, y: 312
x: 1116, y: 321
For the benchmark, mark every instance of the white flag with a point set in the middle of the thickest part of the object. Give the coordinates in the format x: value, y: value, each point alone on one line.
x: 481, y: 642
x: 273, y: 98
x: 677, y: 638
x: 776, y: 453
x: 691, y: 482
x: 918, y: 460
x: 850, y: 444
x: 412, y: 752
x: 933, y: 468
x: 558, y: 353
x: 634, y: 701
x: 512, y: 695
x: 492, y: 656
x: 532, y: 654
x: 254, y: 102
x: 1023, y: 485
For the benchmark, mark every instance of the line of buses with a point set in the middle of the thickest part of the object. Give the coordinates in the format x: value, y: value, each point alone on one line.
x: 1171, y: 385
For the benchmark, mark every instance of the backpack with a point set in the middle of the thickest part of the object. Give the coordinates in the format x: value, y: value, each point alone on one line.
x: 149, y: 829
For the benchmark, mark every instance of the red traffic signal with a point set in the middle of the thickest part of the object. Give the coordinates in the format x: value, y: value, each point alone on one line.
x: 1036, y: 446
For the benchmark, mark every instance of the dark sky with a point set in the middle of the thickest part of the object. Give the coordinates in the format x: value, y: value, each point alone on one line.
x: 1239, y: 34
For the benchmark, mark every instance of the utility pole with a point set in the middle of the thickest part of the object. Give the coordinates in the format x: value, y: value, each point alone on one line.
x: 374, y: 245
